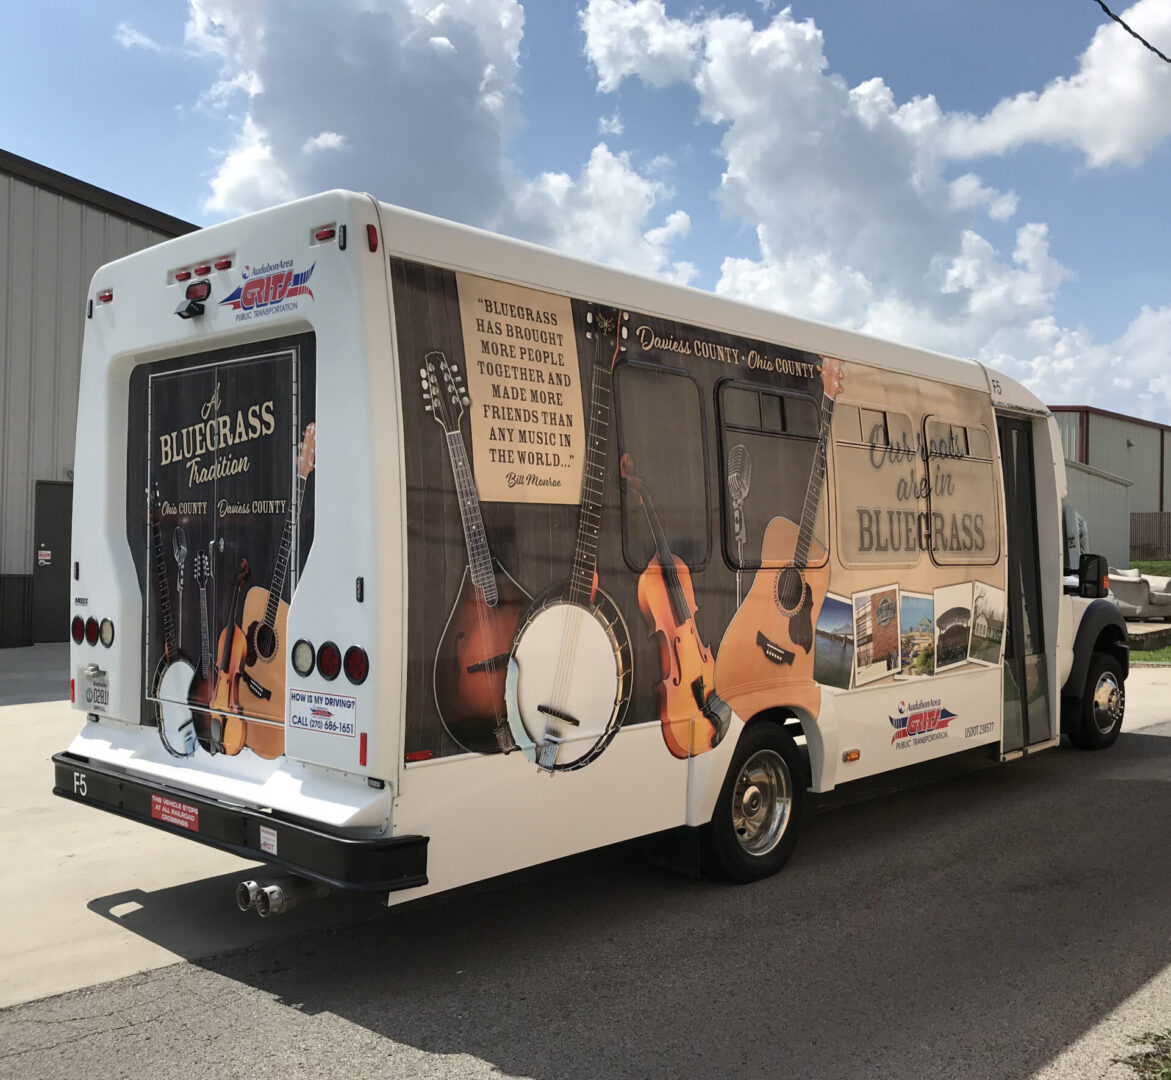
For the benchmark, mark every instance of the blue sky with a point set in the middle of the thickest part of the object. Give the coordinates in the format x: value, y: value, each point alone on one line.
x: 986, y: 179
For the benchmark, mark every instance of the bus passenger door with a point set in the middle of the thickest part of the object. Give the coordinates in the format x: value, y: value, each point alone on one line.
x: 1028, y: 719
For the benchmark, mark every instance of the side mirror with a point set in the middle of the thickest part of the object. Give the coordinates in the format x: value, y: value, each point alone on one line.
x: 1093, y: 575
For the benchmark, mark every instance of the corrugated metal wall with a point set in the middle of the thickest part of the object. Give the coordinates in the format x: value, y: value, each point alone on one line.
x: 51, y: 245
x: 1067, y: 425
x: 1137, y: 462
x: 1105, y: 502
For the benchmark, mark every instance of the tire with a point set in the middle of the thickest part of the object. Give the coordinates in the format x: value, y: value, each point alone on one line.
x: 754, y: 827
x: 1103, y: 705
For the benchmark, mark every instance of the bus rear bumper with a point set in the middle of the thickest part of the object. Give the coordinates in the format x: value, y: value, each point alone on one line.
x: 383, y: 864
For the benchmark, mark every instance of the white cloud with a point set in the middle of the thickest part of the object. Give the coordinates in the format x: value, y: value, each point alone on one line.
x: 130, y: 38
x: 603, y: 215
x: 610, y: 125
x: 249, y: 176
x: 859, y: 215
x: 426, y: 93
x: 636, y: 37
x: 327, y: 140
x: 1114, y: 109
x: 968, y: 192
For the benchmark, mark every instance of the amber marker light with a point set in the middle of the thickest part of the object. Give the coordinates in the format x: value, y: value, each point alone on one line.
x: 851, y: 755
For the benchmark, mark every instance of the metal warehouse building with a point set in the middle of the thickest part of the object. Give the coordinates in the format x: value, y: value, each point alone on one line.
x: 54, y: 233
x: 1119, y: 470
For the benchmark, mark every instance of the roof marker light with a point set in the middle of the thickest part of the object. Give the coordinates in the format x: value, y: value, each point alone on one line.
x: 182, y: 275
x: 321, y: 235
x: 203, y: 270
x: 223, y: 264
x: 372, y: 237
x: 105, y: 296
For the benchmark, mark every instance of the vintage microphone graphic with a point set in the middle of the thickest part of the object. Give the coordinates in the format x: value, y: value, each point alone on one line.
x: 739, y: 480
x: 179, y: 541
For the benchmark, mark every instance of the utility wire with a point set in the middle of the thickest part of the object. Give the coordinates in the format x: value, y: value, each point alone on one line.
x: 1137, y: 37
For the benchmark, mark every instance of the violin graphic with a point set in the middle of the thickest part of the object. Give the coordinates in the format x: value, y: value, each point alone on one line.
x: 694, y: 719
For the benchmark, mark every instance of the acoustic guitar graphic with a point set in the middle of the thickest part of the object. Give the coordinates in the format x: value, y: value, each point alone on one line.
x: 262, y: 677
x: 471, y: 662
x: 766, y: 655
x: 170, y: 684
x: 226, y: 730
x: 569, y: 677
x: 692, y: 716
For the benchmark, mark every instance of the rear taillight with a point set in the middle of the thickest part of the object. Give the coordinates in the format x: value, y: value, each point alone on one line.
x: 357, y: 665
x: 329, y: 660
x: 77, y: 629
x: 91, y: 630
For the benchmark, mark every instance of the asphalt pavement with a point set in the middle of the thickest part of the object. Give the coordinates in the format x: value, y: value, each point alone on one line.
x: 1009, y: 922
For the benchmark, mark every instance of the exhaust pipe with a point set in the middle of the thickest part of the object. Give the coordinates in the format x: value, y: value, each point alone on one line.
x: 246, y: 894
x: 286, y: 893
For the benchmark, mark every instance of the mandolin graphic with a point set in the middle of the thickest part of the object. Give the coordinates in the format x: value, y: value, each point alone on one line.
x: 766, y: 655
x: 471, y: 662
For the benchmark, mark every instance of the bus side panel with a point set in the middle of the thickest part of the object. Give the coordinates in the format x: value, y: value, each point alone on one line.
x: 628, y: 536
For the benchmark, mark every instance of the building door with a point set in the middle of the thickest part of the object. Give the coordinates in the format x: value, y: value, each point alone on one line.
x: 1027, y: 717
x: 52, y: 523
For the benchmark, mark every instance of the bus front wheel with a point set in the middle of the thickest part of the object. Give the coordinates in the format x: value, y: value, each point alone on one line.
x: 754, y: 827
x: 1103, y: 705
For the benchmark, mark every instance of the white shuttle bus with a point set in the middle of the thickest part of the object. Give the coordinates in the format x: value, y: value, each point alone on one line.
x: 406, y: 555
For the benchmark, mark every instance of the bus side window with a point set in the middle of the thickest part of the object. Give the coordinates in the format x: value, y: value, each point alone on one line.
x: 879, y: 481
x: 962, y: 493
x: 767, y: 444
x: 661, y: 442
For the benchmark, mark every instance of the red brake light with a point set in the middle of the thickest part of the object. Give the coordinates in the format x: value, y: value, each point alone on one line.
x: 357, y: 665
x: 321, y: 235
x: 91, y: 630
x: 105, y: 296
x: 223, y: 264
x: 200, y: 271
x: 372, y: 237
x: 77, y: 629
x: 329, y: 660
x: 182, y: 275
x: 199, y: 290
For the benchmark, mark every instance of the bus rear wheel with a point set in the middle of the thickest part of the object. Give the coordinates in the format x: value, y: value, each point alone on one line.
x: 753, y: 830
x: 1103, y: 705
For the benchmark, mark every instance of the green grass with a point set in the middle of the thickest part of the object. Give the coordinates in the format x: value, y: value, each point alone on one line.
x: 1161, y: 567
x: 1151, y: 656
x: 1153, y: 1063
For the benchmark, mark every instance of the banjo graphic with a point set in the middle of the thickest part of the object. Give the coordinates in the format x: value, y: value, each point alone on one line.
x: 569, y: 676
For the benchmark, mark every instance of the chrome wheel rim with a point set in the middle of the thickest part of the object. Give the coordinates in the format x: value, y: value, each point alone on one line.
x: 1108, y: 703
x: 761, y: 802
